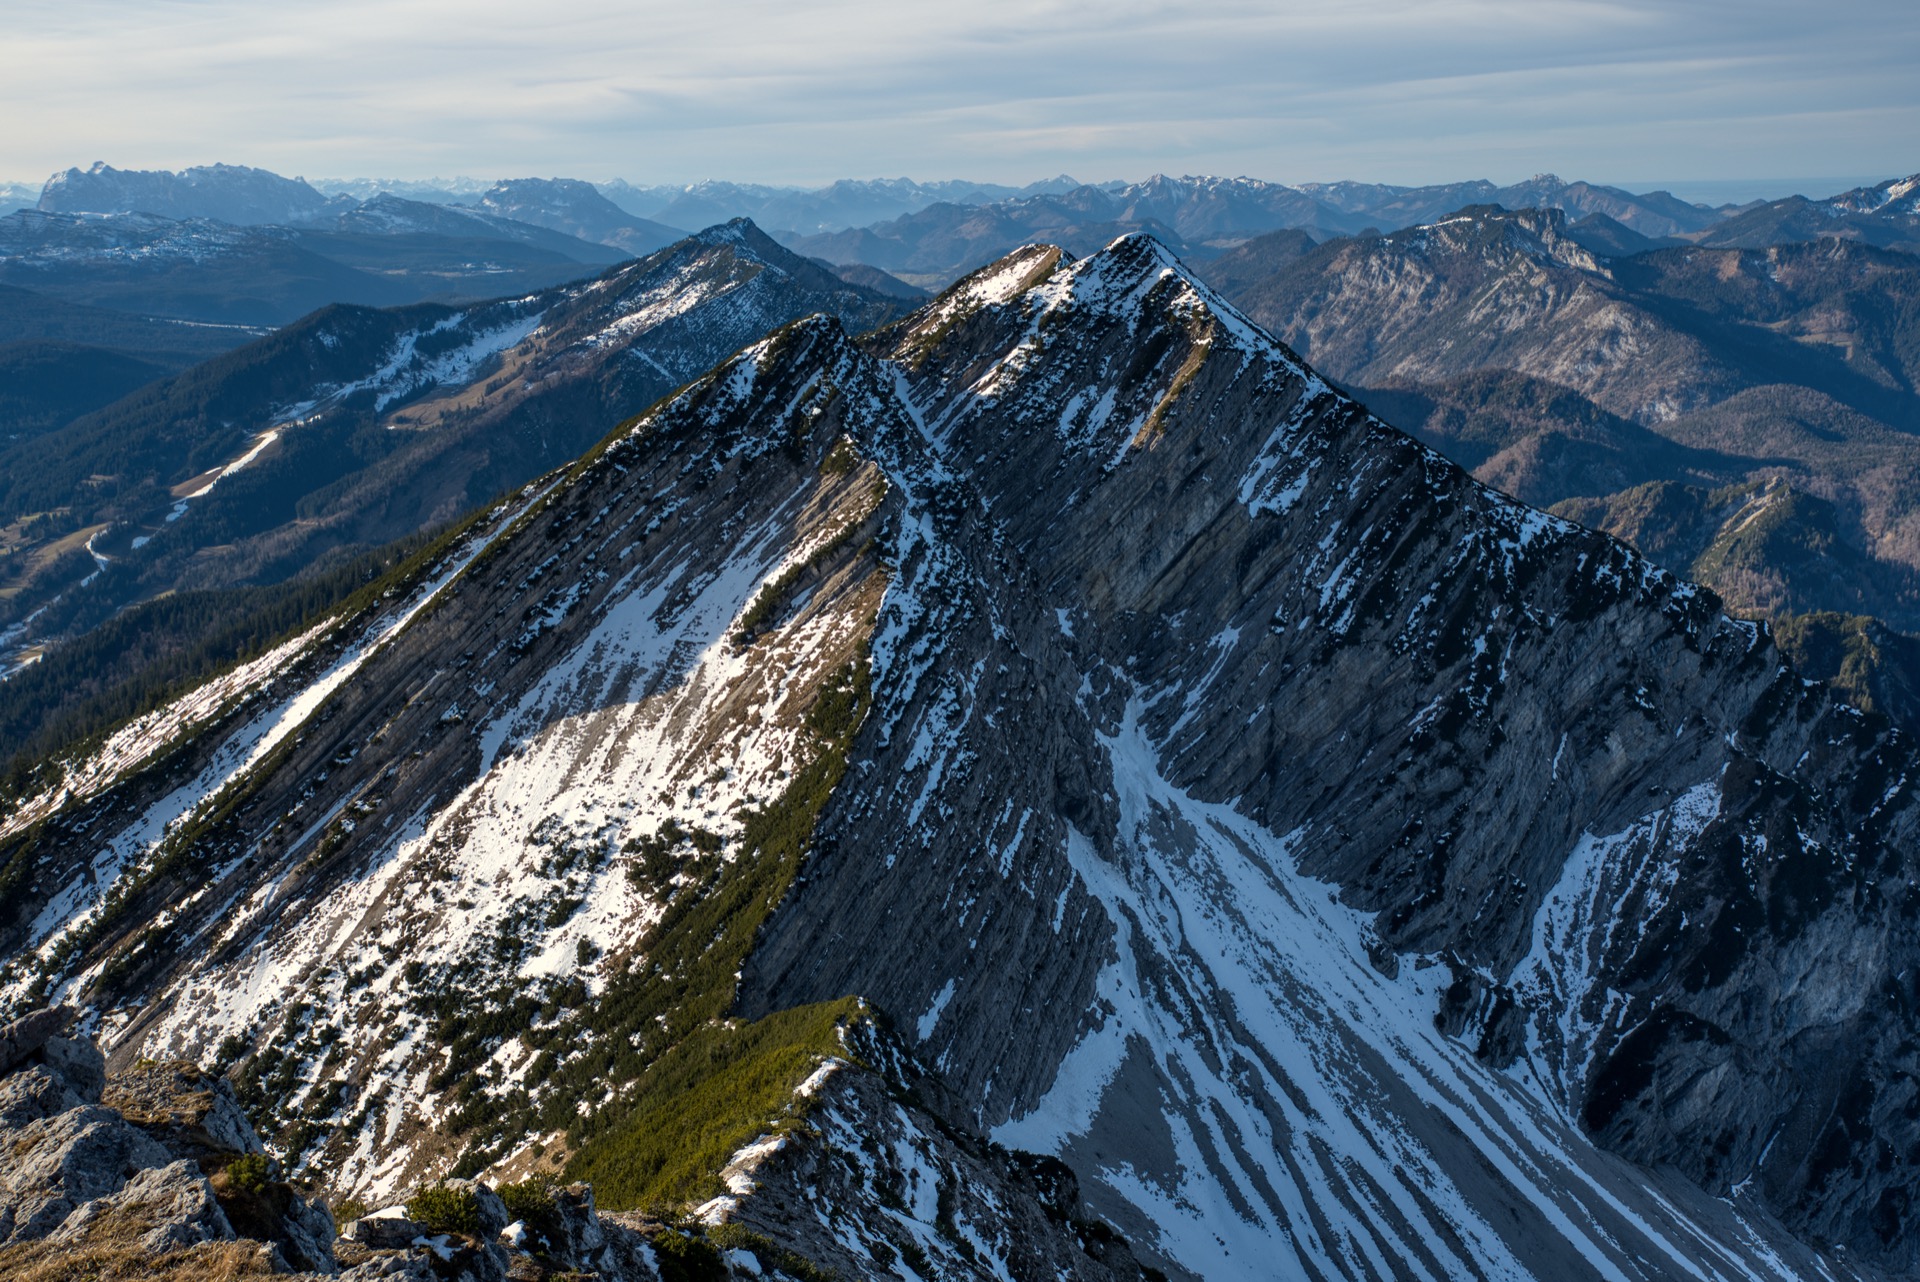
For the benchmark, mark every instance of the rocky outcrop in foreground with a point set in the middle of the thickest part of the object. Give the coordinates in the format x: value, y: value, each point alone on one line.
x: 157, y: 1173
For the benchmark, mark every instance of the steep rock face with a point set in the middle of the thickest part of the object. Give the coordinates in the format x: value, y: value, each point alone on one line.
x: 876, y: 1185
x: 1302, y: 642
x: 1222, y: 793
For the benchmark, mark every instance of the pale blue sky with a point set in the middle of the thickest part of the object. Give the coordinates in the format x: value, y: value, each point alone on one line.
x: 1000, y: 90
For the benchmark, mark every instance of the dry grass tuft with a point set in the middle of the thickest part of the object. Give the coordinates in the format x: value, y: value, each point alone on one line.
x: 111, y: 1252
x: 97, y: 1261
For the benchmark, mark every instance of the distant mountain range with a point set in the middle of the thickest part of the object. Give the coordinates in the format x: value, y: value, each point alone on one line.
x: 443, y: 191
x: 1202, y: 216
x: 839, y: 205
x: 357, y: 426
x: 229, y: 193
x: 18, y: 196
x: 384, y: 253
x: 935, y: 231
x: 578, y: 209
x: 1578, y: 348
x: 1887, y: 215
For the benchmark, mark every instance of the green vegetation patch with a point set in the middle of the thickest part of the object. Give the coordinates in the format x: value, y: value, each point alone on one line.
x: 683, y: 1257
x: 446, y: 1210
x: 672, y: 1087
x: 531, y: 1202
x: 772, y: 1256
x: 249, y: 1172
x: 704, y: 1085
x: 704, y: 1099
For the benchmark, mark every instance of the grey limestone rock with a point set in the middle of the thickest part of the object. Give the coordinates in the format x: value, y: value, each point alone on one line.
x: 80, y: 1063
x: 33, y: 1093
x: 872, y: 1180
x: 401, y: 1266
x: 173, y: 1203
x: 383, y: 1230
x: 191, y: 1113
x: 627, y: 1255
x: 455, y: 1260
x: 21, y: 1037
x: 51, y: 1166
x: 307, y: 1233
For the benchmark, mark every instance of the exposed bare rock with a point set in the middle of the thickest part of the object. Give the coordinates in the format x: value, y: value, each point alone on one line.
x: 307, y: 1233
x: 173, y: 1205
x: 32, y: 1093
x: 50, y: 1166
x: 79, y: 1062
x: 402, y: 1266
x: 929, y: 1198
x: 191, y: 1113
x: 386, y: 1230
x: 22, y: 1037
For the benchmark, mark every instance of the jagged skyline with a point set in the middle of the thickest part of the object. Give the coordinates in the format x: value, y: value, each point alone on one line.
x: 1406, y: 91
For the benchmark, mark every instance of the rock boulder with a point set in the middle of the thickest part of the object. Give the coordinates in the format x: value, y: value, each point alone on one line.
x: 172, y: 1207
x: 50, y: 1166
x: 190, y: 1113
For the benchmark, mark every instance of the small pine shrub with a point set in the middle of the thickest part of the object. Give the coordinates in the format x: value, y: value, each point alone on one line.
x: 840, y: 459
x: 531, y: 1202
x: 771, y: 1255
x: 916, y: 1258
x: 349, y: 1209
x: 685, y: 1258
x: 250, y: 1173
x: 445, y: 1210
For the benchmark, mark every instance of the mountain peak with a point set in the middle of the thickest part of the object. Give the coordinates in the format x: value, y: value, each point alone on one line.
x: 735, y: 231
x: 229, y: 193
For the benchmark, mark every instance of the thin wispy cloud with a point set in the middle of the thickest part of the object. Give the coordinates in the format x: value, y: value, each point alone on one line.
x: 1400, y: 90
